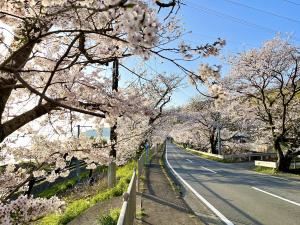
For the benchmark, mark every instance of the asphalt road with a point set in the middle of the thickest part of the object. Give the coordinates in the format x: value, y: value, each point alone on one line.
x: 235, y: 194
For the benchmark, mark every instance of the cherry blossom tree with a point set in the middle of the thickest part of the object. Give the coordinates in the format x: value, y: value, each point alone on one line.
x: 266, y: 83
x: 54, y: 44
x: 54, y: 61
x: 199, y: 123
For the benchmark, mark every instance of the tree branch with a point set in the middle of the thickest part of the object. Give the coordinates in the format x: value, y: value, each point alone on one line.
x: 12, y: 125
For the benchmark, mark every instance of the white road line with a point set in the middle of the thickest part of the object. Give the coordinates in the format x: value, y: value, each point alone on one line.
x: 280, y: 178
x: 276, y: 196
x: 254, y: 172
x: 200, y: 197
x: 208, y: 169
x: 189, y: 160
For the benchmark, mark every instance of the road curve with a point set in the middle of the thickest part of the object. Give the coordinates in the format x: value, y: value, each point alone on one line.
x: 239, y: 196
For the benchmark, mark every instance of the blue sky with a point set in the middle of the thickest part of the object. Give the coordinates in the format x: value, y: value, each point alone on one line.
x: 243, y: 24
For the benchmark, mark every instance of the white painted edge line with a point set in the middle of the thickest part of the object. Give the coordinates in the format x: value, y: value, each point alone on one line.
x: 266, y: 175
x: 210, y: 206
x: 276, y: 196
x: 280, y: 178
x: 189, y: 160
x: 208, y: 169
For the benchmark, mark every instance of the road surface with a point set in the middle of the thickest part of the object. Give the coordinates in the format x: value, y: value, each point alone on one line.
x: 235, y: 194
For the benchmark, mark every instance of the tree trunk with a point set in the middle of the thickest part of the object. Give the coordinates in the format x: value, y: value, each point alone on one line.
x: 15, y: 62
x: 284, y: 163
x: 213, y: 141
x: 30, y: 186
x: 283, y: 160
x: 91, y: 178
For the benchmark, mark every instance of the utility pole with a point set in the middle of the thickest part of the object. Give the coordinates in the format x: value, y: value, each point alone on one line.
x: 219, y: 139
x: 113, y: 133
x: 219, y: 133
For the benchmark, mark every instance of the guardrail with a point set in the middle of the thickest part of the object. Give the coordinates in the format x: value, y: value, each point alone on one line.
x: 140, y: 164
x: 248, y: 155
x: 265, y: 164
x: 207, y: 153
x: 128, y: 210
x: 274, y: 165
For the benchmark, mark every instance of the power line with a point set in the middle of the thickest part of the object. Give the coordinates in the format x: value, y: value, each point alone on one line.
x: 234, y: 19
x: 155, y: 71
x: 215, y: 37
x: 263, y: 11
x: 291, y: 2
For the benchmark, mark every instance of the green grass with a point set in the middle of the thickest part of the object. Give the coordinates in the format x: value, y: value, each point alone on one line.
x: 294, y: 173
x: 76, y: 207
x: 58, y: 188
x: 66, y: 184
x: 141, y: 214
x: 111, y: 218
x: 265, y: 170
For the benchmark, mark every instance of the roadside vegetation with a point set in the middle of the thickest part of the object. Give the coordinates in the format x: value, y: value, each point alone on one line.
x: 111, y: 218
x: 74, y: 208
x: 198, y: 153
x: 61, y: 187
x: 293, y: 173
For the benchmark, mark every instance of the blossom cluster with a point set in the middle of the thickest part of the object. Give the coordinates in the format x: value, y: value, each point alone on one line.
x: 23, y: 210
x: 133, y: 20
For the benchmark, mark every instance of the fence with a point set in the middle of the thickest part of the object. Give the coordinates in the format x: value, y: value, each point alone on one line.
x: 294, y: 164
x: 128, y: 210
x: 141, y: 162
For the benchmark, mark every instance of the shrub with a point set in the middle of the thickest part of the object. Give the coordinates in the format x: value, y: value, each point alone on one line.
x: 111, y: 218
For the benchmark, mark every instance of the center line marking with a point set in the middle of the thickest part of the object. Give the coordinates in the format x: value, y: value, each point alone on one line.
x: 276, y: 196
x: 189, y: 160
x: 208, y: 169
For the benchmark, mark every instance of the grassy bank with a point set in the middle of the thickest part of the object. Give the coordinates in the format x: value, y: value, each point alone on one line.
x: 62, y: 186
x: 75, y: 208
x: 294, y: 173
x: 265, y: 170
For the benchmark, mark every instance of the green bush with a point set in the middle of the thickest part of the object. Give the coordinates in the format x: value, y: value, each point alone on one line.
x: 74, y: 209
x: 111, y: 218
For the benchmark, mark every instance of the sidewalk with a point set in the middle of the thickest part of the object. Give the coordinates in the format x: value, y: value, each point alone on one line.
x: 162, y: 204
x: 91, y: 215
